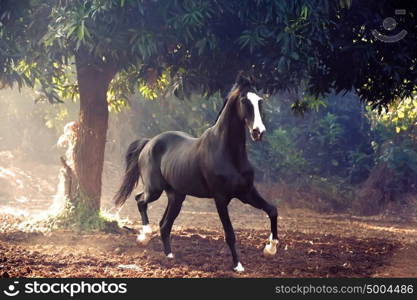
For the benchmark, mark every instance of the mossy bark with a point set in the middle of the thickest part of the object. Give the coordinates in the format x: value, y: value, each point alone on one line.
x: 83, y: 167
x: 93, y: 81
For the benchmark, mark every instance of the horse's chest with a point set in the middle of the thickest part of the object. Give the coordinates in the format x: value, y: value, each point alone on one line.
x: 227, y: 174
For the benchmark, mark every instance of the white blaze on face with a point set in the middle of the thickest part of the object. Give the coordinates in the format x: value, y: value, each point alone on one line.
x: 257, y: 121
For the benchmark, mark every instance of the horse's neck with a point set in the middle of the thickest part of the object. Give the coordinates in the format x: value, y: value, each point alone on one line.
x: 230, y: 130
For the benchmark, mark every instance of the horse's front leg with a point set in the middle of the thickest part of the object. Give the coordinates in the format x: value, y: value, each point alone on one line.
x: 253, y: 198
x: 221, y: 205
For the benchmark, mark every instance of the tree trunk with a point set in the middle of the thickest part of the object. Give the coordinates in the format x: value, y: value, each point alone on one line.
x: 88, y: 157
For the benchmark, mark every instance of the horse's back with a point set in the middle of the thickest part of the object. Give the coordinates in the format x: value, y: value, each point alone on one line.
x: 174, y: 157
x: 173, y: 135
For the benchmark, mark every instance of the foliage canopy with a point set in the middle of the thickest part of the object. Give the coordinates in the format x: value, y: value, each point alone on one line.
x: 200, y: 45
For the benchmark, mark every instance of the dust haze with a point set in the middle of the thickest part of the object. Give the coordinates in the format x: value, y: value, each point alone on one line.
x: 30, y: 156
x: 317, y: 237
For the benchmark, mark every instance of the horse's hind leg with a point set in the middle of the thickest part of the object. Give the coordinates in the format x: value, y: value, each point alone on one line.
x: 142, y: 200
x: 175, y: 201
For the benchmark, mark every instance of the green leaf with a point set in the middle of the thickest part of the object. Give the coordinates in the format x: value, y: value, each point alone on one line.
x: 295, y: 55
x: 80, y: 32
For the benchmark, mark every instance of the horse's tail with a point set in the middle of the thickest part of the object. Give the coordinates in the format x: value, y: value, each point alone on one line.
x: 132, y: 174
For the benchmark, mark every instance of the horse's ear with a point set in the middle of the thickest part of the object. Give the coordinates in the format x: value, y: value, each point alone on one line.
x: 239, y: 77
x: 252, y: 79
x: 241, y: 80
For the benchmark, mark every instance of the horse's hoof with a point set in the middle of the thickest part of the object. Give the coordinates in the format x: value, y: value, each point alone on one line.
x: 146, y: 229
x: 271, y: 248
x: 239, y: 268
x: 143, y: 239
x: 170, y: 256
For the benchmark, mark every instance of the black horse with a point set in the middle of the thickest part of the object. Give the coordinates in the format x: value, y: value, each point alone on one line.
x: 214, y: 165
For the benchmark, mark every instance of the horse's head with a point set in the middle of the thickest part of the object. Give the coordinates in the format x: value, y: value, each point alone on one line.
x: 250, y: 107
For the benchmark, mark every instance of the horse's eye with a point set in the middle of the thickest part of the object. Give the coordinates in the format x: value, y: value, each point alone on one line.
x: 248, y: 104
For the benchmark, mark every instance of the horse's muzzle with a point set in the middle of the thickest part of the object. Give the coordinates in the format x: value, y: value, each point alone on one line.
x: 256, y: 134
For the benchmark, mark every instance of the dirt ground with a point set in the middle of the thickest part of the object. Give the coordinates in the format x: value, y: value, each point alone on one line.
x: 310, y: 245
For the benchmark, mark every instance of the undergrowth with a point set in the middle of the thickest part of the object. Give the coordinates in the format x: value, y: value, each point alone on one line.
x: 80, y: 217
